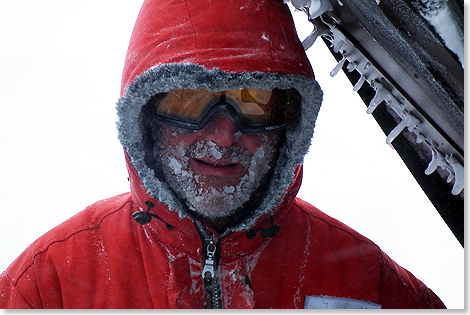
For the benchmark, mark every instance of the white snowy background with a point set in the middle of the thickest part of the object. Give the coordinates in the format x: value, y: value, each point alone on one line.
x: 60, y: 69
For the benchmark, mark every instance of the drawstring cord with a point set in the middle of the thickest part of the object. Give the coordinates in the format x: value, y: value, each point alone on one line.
x: 145, y: 217
x: 265, y: 233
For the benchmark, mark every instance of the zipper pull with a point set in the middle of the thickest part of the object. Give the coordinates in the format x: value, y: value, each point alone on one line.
x: 208, y: 272
x: 210, y: 275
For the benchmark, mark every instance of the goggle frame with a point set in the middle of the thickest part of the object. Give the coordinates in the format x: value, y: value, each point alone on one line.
x: 225, y: 104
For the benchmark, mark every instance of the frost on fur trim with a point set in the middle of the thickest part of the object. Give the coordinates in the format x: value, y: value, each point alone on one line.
x: 176, y: 76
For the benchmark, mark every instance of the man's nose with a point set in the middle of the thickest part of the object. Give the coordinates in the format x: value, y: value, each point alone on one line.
x: 221, y: 131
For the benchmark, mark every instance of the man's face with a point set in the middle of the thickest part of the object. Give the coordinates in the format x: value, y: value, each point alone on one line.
x: 215, y: 170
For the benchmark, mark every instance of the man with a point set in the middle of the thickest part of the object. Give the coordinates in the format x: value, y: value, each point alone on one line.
x: 217, y: 110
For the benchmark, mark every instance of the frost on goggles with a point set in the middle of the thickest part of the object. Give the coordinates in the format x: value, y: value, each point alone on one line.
x: 252, y: 110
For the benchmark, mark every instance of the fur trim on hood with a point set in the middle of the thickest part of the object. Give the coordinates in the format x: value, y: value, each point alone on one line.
x: 168, y: 77
x: 216, y: 45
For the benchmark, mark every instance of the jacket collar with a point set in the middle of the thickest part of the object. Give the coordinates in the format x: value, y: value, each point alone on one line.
x: 184, y: 235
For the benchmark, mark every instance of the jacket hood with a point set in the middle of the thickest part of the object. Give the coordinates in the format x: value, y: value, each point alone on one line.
x: 233, y: 35
x: 216, y: 45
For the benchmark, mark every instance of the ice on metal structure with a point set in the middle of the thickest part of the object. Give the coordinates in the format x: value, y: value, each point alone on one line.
x: 315, y: 8
x: 408, y: 121
x: 338, y: 67
x: 359, y: 83
x: 458, y: 173
x: 381, y: 95
x: 320, y: 14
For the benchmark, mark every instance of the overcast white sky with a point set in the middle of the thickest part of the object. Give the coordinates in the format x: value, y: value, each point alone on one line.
x: 61, y: 64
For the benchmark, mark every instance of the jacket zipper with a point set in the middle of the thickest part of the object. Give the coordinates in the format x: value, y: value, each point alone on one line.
x: 210, y: 272
x: 210, y: 277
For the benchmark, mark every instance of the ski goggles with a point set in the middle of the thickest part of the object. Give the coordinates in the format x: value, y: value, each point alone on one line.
x: 252, y: 110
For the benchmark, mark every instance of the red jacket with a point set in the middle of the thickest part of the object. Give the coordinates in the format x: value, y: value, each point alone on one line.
x: 102, y: 258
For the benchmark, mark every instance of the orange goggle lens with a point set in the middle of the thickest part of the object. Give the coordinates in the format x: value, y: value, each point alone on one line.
x: 253, y: 110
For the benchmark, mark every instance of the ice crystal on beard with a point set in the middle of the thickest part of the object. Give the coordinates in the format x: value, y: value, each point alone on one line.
x: 209, y: 201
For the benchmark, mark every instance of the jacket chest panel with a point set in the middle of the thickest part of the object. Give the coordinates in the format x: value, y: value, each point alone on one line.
x: 236, y: 285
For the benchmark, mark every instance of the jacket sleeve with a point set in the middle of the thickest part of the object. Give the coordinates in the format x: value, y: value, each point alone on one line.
x: 400, y: 289
x: 10, y: 296
x: 29, y: 281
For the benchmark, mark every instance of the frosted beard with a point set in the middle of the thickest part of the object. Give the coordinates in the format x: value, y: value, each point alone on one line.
x: 215, y: 197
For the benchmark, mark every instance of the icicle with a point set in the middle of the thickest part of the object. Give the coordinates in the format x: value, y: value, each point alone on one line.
x: 420, y: 138
x: 359, y: 83
x: 318, y: 7
x: 458, y: 173
x: 409, y: 121
x: 380, y: 95
x: 337, y: 47
x: 338, y: 67
x: 451, y: 175
x: 351, y: 66
x: 319, y: 29
x: 436, y: 160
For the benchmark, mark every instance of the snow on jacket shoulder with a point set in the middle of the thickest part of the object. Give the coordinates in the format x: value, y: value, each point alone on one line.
x: 101, y: 258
